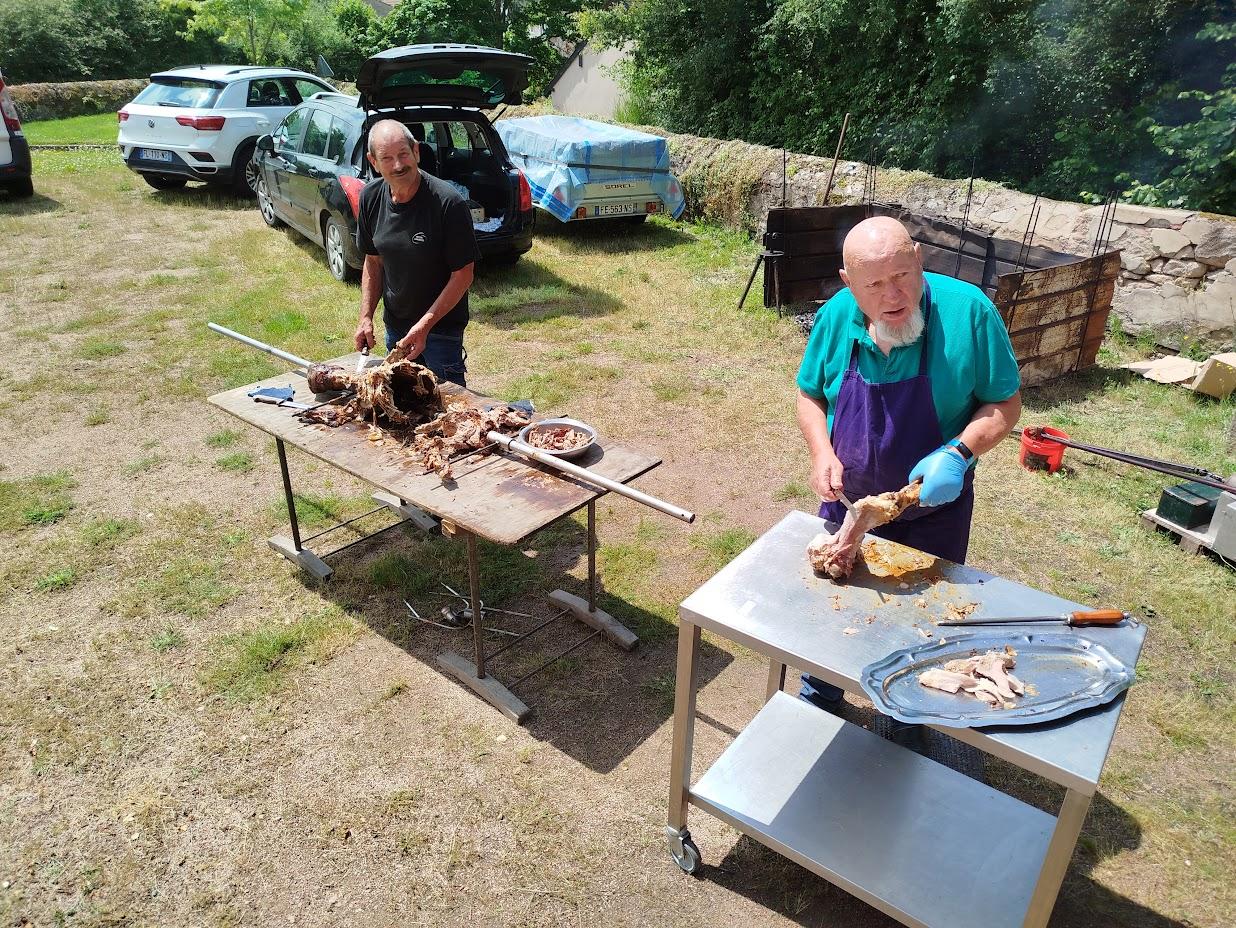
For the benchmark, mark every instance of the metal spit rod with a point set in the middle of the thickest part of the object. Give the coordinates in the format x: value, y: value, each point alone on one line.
x: 512, y: 444
x: 260, y: 346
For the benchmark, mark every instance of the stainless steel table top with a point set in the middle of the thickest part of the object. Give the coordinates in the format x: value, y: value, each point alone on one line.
x: 769, y: 599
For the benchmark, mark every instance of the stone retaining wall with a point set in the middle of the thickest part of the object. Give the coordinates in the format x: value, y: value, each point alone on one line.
x: 1178, y: 277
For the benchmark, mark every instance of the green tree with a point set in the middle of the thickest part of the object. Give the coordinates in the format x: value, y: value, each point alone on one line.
x: 261, y: 29
x: 359, y: 30
x: 1202, y: 148
x: 74, y: 40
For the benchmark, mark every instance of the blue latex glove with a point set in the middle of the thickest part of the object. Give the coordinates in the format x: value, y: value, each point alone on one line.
x: 943, y: 473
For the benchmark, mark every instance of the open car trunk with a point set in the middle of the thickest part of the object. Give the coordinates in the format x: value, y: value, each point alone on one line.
x: 442, y: 75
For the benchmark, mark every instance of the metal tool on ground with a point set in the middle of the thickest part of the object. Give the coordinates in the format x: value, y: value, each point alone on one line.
x: 1077, y: 619
x: 535, y: 454
x: 1197, y: 474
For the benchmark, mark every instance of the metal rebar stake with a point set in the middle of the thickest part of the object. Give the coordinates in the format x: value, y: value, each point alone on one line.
x: 474, y: 589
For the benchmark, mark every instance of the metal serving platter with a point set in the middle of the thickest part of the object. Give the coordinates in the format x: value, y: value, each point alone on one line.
x: 1070, y: 672
x: 575, y: 424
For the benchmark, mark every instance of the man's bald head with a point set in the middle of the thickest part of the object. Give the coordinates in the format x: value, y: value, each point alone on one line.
x: 885, y: 274
x: 875, y: 239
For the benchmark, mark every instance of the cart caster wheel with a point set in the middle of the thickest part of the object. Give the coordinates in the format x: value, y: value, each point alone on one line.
x: 689, y: 858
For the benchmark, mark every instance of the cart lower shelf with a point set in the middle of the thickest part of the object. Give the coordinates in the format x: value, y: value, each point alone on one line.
x: 919, y: 841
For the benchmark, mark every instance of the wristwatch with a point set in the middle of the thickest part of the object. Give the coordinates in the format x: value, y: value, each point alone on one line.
x: 962, y: 449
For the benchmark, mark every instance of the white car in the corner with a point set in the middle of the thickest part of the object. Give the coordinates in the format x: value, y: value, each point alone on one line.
x: 202, y: 122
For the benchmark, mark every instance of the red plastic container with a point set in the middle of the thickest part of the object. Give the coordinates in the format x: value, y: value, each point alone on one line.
x: 1038, y: 453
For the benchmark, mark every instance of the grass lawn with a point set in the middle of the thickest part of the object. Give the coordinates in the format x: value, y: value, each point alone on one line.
x: 194, y: 734
x: 78, y: 130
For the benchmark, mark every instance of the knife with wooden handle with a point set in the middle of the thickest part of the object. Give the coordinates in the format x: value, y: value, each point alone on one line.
x: 1077, y: 619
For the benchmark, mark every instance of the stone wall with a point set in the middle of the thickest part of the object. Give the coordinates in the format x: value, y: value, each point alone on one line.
x: 1178, y: 278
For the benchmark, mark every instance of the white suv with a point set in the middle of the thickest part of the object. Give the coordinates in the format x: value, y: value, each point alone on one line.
x: 202, y: 122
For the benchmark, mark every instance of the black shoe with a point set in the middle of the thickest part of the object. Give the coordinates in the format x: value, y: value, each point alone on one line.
x: 832, y: 706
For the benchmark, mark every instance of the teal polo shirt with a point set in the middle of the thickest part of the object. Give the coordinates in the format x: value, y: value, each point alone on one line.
x: 971, y: 359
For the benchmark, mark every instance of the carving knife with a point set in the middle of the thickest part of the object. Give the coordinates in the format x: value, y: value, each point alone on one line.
x: 1076, y: 619
x: 849, y: 507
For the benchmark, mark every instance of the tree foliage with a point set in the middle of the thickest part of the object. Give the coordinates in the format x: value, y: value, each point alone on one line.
x: 78, y: 40
x: 1056, y: 96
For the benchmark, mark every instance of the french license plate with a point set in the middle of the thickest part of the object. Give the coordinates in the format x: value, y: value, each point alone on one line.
x: 617, y: 209
x: 154, y: 154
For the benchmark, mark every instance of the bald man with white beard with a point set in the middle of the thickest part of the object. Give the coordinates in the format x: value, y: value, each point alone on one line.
x: 907, y: 375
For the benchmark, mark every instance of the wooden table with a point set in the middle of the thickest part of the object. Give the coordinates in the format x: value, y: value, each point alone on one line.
x: 500, y: 497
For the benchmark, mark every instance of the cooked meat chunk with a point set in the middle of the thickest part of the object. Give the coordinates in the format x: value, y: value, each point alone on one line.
x: 459, y: 429
x: 402, y: 393
x: 557, y: 438
x: 834, y: 554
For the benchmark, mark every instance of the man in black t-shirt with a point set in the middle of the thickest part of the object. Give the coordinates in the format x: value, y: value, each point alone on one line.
x: 416, y: 234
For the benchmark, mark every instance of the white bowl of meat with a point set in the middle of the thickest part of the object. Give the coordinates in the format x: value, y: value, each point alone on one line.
x: 563, y: 438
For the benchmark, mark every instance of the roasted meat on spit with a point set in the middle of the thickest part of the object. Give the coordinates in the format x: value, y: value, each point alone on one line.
x: 461, y: 428
x: 834, y: 554
x: 403, y: 393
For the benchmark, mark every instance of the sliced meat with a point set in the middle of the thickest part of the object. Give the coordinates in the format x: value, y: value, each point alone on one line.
x: 461, y: 428
x: 984, y: 676
x: 946, y: 680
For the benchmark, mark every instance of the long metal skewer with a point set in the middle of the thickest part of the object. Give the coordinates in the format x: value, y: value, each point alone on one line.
x: 260, y: 346
x: 513, y: 444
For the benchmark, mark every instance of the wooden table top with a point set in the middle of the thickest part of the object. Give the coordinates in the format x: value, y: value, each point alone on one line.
x: 499, y: 496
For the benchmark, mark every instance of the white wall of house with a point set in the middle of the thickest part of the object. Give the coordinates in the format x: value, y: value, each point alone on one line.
x: 588, y: 86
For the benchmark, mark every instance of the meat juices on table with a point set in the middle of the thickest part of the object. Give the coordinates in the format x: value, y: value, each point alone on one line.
x: 834, y: 554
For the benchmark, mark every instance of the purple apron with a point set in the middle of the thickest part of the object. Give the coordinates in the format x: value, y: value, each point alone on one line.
x: 880, y: 431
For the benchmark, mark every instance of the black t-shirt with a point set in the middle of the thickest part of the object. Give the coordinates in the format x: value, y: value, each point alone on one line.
x: 421, y: 243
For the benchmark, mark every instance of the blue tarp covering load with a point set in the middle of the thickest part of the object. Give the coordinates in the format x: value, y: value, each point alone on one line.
x: 561, y: 154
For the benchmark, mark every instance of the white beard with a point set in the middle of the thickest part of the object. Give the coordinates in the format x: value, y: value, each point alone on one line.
x: 905, y: 334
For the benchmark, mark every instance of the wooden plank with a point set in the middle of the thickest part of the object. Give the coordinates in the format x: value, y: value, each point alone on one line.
x: 1038, y: 370
x: 486, y: 687
x: 940, y: 261
x: 1025, y: 314
x: 814, y: 218
x: 1060, y: 279
x: 826, y: 242
x: 605, y: 623
x: 801, y: 291
x: 809, y: 268
x: 500, y: 497
x: 1009, y: 250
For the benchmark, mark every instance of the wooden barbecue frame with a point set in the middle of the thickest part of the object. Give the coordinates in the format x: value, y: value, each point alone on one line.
x: 1054, y: 304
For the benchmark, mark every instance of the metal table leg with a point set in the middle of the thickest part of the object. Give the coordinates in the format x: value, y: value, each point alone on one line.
x: 587, y: 611
x: 291, y: 548
x: 1056, y: 862
x: 681, y: 847
x: 776, y: 679
x: 472, y: 674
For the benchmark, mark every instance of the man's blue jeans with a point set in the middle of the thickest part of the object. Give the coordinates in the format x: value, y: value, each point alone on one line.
x: 443, y: 354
